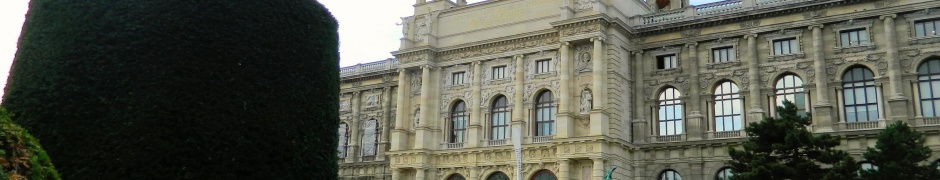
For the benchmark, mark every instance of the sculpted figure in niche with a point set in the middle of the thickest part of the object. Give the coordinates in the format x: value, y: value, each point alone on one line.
x: 586, y: 101
x: 404, y: 26
x: 424, y: 27
x: 417, y: 118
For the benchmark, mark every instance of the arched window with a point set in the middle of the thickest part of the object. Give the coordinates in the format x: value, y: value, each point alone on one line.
x: 670, y: 175
x: 500, y: 120
x: 343, y: 139
x: 545, y: 115
x: 866, y: 166
x: 670, y: 112
x: 458, y: 123
x: 544, y: 175
x: 498, y: 176
x: 724, y: 174
x: 369, y: 137
x: 928, y: 81
x: 727, y: 107
x: 859, y: 95
x: 790, y: 87
x: 455, y: 177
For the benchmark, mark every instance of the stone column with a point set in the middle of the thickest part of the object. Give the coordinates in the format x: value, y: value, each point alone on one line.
x: 474, y: 172
x: 822, y: 110
x: 423, y: 134
x: 473, y: 138
x: 400, y: 134
x: 897, y: 101
x: 564, y: 169
x: 598, y: 168
x: 386, y: 120
x: 396, y: 174
x: 695, y: 114
x: 599, y: 116
x: 640, y: 127
x: 565, y: 126
x: 755, y: 113
x: 419, y: 173
x: 518, y: 112
x: 352, y: 147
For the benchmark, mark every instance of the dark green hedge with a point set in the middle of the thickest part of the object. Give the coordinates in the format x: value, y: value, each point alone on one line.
x: 180, y: 89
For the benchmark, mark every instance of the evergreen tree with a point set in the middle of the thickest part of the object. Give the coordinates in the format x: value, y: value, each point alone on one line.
x: 180, y: 89
x: 899, y: 154
x: 782, y: 148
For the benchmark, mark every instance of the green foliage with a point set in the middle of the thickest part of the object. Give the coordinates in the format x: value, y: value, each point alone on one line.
x: 21, y: 156
x: 782, y: 148
x: 180, y: 89
x: 900, y: 154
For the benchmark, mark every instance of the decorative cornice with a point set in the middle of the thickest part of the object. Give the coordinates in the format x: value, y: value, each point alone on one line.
x: 499, y: 47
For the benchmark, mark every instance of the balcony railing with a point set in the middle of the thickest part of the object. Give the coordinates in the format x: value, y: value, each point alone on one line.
x: 453, y: 145
x: 930, y: 121
x: 377, y: 66
x: 862, y: 125
x: 498, y: 142
x: 542, y: 139
x: 716, y: 8
x: 727, y: 134
x: 668, y: 138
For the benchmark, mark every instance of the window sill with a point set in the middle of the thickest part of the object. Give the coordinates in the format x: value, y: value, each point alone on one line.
x: 925, y: 40
x: 787, y: 57
x: 662, y: 72
x: 498, y: 81
x: 722, y: 65
x: 854, y: 49
x: 544, y: 75
x: 458, y: 86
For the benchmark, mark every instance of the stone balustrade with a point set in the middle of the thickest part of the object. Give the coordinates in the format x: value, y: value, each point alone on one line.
x: 360, y: 69
x: 714, y: 9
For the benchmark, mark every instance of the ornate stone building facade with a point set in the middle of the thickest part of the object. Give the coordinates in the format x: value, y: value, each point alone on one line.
x: 656, y: 90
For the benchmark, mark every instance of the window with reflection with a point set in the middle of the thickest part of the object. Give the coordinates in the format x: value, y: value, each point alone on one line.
x: 670, y: 112
x: 343, y: 140
x: 500, y: 119
x: 724, y: 174
x: 369, y: 137
x: 670, y: 175
x: 545, y: 115
x: 544, y: 175
x: 458, y: 123
x: 727, y: 107
x: 926, y: 28
x: 859, y: 96
x: 498, y: 176
x: 866, y: 166
x: 928, y: 84
x: 790, y: 87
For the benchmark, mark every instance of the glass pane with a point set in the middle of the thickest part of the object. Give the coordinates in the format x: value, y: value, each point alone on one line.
x: 850, y: 114
x: 844, y: 37
x: 777, y: 49
x: 863, y: 37
x: 679, y: 112
x: 678, y: 127
x: 849, y: 96
x: 929, y: 28
x: 873, y: 112
x: 919, y: 30
x: 662, y: 128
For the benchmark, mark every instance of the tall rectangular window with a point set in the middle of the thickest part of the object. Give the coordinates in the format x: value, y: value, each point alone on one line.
x: 458, y: 78
x: 853, y: 37
x: 667, y: 61
x: 543, y: 66
x: 723, y: 54
x: 499, y: 72
x: 926, y: 28
x: 785, y: 46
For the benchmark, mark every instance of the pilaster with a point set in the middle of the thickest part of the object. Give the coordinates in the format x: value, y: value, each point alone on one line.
x: 599, y: 117
x: 640, y: 127
x: 755, y: 113
x: 695, y: 115
x: 564, y: 169
x: 420, y: 173
x: 822, y: 110
x: 423, y: 134
x: 518, y: 112
x: 564, y: 120
x: 399, y: 134
x: 396, y: 174
x: 474, y: 130
x: 352, y: 148
x: 386, y: 119
x: 598, y: 171
x: 897, y: 101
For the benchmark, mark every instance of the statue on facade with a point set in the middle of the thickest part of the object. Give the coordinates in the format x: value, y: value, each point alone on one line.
x: 424, y: 27
x: 586, y: 101
x: 417, y: 118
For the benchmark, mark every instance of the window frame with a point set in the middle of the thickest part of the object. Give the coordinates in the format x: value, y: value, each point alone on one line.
x: 854, y: 35
x: 455, y: 76
x: 543, y: 66
x: 781, y: 90
x: 375, y: 138
x: 453, y: 126
x: 724, y: 173
x: 664, y: 175
x: 730, y: 54
x: 343, y: 133
x: 931, y: 80
x: 673, y: 60
x: 499, y: 72
x: 791, y: 44
x: 913, y: 18
x: 665, y: 102
x: 543, y: 118
x: 730, y: 95
x: 503, y: 111
x: 865, y: 86
x: 785, y: 35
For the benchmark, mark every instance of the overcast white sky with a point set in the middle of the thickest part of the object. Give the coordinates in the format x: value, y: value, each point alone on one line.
x: 367, y: 28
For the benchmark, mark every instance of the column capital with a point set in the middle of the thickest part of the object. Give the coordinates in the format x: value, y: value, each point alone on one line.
x: 355, y: 93
x: 476, y: 63
x: 691, y: 44
x: 635, y: 52
x: 892, y: 16
x: 565, y: 43
x: 426, y: 66
x: 811, y: 27
x: 519, y: 56
x: 402, y: 70
x: 597, y: 39
x: 746, y: 36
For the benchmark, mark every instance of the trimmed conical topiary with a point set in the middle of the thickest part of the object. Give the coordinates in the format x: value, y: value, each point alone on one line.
x: 21, y: 156
x: 180, y: 89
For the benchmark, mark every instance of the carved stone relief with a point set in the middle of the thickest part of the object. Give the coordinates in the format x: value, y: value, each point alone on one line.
x: 450, y: 97
x: 873, y: 60
x: 490, y: 92
x: 500, y: 47
x: 488, y: 68
x: 750, y: 24
x: 582, y: 5
x: 814, y: 14
x: 423, y: 28
x: 416, y: 83
x: 691, y: 32
x: 583, y: 58
x: 530, y: 88
x: 448, y: 76
x: 587, y: 100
